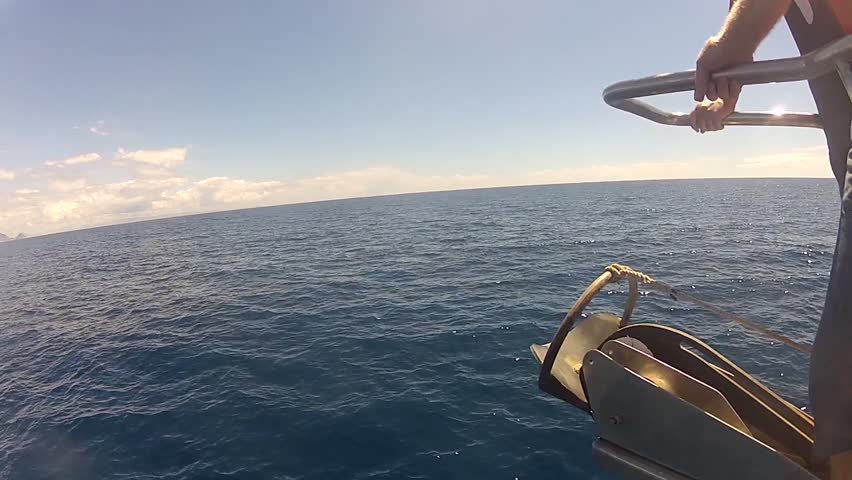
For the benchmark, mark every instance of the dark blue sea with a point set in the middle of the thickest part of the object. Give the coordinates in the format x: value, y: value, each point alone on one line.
x: 377, y: 338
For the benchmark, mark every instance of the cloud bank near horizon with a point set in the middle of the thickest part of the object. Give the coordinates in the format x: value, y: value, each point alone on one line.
x: 69, y: 194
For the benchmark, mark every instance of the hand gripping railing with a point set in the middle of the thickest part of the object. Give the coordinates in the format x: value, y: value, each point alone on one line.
x: 834, y: 56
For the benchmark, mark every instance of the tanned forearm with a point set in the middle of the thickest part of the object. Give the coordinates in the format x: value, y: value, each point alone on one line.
x: 750, y: 21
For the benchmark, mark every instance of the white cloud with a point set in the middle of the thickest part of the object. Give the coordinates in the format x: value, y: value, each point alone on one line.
x: 187, y: 199
x: 61, y: 210
x: 385, y: 180
x: 804, y: 162
x: 80, y: 159
x: 76, y: 160
x: 149, y: 186
x: 634, y: 171
x: 98, y: 129
x: 109, y: 203
x: 64, y: 186
x: 238, y: 191
x: 6, y: 174
x: 152, y: 163
x: 167, y: 158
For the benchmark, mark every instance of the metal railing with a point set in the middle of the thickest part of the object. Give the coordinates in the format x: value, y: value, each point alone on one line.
x: 834, y: 56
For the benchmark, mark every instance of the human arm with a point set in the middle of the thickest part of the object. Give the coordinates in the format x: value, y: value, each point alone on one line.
x: 747, y: 24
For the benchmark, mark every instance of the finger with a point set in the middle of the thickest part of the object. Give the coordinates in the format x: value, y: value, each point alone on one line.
x: 716, y: 124
x: 701, y: 79
x: 692, y: 121
x: 736, y: 87
x: 711, y: 91
x: 722, y: 89
x: 702, y: 125
x: 711, y: 123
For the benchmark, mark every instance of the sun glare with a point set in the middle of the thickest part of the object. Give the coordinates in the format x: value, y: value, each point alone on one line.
x: 777, y: 110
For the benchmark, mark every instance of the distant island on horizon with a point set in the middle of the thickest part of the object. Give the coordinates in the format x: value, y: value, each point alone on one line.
x: 6, y: 238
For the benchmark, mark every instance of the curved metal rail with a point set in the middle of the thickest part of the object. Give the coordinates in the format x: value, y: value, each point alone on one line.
x: 834, y: 56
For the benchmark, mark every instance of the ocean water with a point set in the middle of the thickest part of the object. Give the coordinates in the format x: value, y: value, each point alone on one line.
x: 376, y: 338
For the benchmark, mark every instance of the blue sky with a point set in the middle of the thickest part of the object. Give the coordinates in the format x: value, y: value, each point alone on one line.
x: 121, y: 110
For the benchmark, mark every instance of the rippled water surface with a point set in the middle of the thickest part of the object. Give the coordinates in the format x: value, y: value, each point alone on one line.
x: 376, y: 338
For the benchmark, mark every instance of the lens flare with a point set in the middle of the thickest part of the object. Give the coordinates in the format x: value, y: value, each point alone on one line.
x: 778, y: 110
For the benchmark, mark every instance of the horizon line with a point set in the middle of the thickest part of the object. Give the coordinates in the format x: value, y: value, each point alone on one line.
x: 423, y: 192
